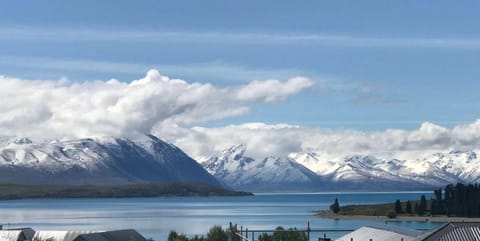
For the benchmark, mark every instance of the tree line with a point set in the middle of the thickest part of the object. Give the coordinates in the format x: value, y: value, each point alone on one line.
x: 455, y: 200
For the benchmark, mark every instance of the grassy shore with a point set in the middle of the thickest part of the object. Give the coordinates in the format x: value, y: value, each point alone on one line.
x: 380, y: 211
x: 172, y: 189
x: 330, y: 215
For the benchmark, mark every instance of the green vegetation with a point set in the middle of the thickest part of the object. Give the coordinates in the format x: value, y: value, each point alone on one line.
x: 458, y: 200
x: 408, y: 207
x: 391, y: 214
x: 367, y: 210
x: 281, y: 234
x: 171, y: 189
x: 335, y: 207
x: 216, y: 233
x: 398, y: 207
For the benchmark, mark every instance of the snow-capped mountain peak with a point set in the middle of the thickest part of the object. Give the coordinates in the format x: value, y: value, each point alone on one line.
x: 243, y: 172
x: 236, y: 152
x: 98, y: 160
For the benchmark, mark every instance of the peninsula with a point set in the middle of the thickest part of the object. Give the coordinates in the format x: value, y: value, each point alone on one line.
x: 170, y: 189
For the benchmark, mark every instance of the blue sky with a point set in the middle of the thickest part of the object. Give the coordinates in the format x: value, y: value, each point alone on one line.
x: 376, y: 64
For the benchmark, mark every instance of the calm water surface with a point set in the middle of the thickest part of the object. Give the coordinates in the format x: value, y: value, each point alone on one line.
x: 155, y: 217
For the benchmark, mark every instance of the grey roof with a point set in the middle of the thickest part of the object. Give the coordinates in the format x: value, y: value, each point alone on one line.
x: 120, y: 235
x: 381, y: 233
x: 58, y: 235
x: 455, y: 231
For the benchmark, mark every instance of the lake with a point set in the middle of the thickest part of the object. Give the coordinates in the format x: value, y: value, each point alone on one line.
x: 155, y: 217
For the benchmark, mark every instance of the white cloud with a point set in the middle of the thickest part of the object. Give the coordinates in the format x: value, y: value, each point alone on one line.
x: 169, y: 107
x: 272, y: 90
x: 62, y: 108
x: 186, y: 37
x: 264, y: 140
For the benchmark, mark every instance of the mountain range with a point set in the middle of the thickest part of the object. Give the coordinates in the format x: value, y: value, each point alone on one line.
x: 147, y: 159
x: 309, y: 172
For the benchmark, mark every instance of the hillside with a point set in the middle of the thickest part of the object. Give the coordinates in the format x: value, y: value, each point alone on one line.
x: 172, y: 189
x: 105, y: 160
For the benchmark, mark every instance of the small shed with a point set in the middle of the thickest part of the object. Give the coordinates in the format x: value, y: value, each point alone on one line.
x: 119, y: 235
x: 453, y: 231
x: 381, y: 233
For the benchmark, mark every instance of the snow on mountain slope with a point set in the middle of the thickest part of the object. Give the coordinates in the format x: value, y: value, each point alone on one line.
x: 269, y: 174
x: 314, y: 172
x: 432, y: 170
x: 98, y: 161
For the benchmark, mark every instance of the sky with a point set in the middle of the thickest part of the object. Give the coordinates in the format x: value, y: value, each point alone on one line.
x: 208, y: 74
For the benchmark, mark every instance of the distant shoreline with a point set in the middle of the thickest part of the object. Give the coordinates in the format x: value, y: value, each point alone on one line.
x: 145, y: 190
x: 327, y: 214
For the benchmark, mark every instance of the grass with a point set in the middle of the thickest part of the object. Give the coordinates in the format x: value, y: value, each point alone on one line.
x: 377, y: 209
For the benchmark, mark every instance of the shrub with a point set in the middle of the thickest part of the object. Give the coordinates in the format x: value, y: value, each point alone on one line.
x: 391, y: 214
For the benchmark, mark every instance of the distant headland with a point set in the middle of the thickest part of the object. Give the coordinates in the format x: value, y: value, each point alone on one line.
x: 170, y: 189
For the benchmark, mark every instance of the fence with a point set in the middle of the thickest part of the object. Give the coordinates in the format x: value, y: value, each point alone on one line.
x: 246, y: 234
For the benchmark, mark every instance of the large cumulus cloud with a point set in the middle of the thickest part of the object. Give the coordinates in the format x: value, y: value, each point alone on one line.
x: 56, y: 109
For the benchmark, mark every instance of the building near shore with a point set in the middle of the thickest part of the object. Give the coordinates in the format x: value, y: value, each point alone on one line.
x: 48, y: 235
x: 381, y: 233
x: 453, y: 231
x: 120, y: 235
x: 20, y: 234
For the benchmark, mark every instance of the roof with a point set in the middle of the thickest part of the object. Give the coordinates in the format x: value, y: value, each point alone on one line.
x: 27, y: 232
x: 10, y: 235
x: 120, y: 235
x: 58, y: 235
x: 454, y: 231
x: 381, y: 233
x: 16, y: 234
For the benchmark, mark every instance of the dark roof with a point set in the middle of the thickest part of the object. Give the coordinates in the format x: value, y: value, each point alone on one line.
x: 27, y: 232
x: 455, y: 231
x: 120, y: 235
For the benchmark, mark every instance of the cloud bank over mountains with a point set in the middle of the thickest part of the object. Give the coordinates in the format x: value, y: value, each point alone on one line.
x: 263, y: 140
x: 175, y: 110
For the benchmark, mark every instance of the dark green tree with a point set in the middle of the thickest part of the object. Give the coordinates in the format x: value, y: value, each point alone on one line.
x: 216, y: 233
x: 422, y: 207
x: 408, y: 208
x: 398, y: 206
x: 434, y: 207
x: 416, y: 209
x: 174, y: 236
x: 281, y: 234
x: 335, y: 207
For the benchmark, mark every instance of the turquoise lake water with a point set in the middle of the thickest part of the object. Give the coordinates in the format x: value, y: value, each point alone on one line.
x: 155, y: 217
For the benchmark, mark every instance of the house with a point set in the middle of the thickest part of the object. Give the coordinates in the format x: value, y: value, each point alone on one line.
x: 454, y: 231
x: 21, y: 234
x: 120, y: 235
x: 58, y: 235
x: 381, y: 233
